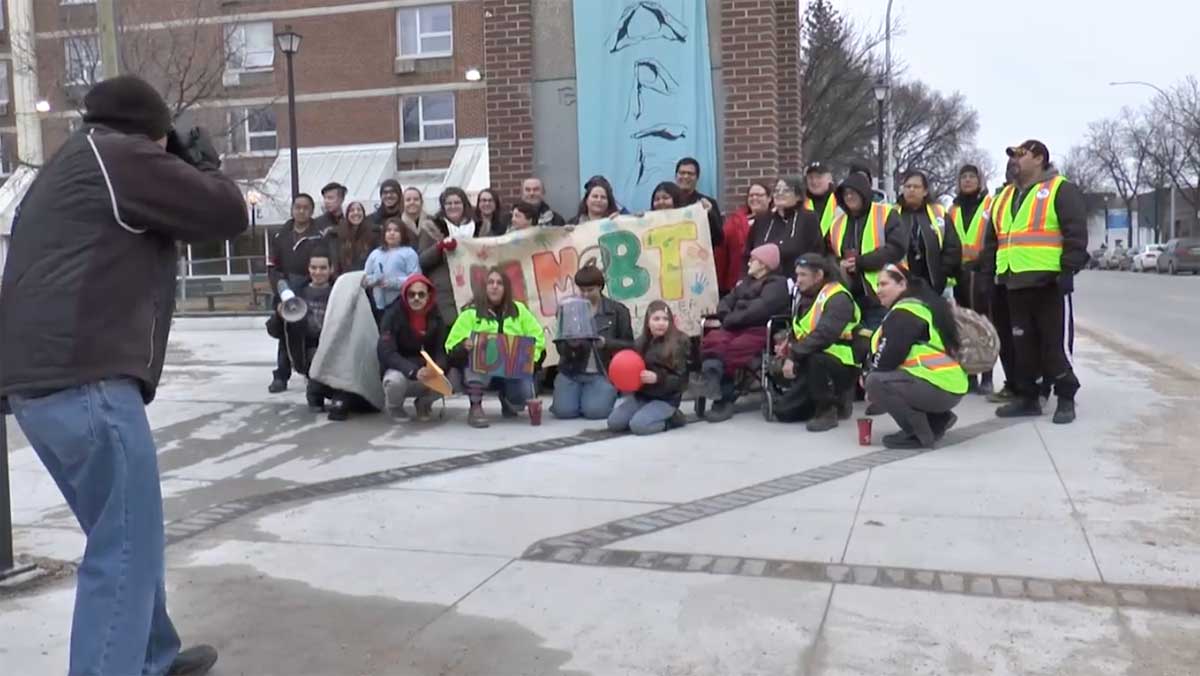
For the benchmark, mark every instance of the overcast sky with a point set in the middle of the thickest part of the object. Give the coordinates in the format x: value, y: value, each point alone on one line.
x: 1040, y: 68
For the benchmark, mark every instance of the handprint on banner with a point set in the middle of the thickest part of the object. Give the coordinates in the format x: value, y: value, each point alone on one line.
x: 699, y: 283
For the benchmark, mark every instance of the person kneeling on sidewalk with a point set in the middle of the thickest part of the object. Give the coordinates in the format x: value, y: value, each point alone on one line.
x: 819, y: 363
x: 410, y: 325
x: 739, y: 328
x: 582, y: 387
x: 664, y: 349
x: 303, y: 337
x: 494, y: 311
x: 915, y: 377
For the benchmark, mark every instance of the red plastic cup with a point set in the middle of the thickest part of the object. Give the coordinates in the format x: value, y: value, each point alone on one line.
x: 864, y: 431
x: 535, y: 412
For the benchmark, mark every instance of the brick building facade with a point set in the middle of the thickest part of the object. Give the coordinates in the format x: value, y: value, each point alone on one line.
x: 396, y: 72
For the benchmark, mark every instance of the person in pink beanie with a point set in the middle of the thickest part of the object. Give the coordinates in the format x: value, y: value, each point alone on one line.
x: 738, y: 330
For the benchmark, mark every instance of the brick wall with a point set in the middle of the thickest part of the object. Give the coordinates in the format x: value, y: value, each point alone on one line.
x: 749, y: 59
x: 508, y: 71
x: 787, y: 37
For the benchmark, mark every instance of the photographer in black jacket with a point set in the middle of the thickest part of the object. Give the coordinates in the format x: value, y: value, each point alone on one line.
x: 89, y: 290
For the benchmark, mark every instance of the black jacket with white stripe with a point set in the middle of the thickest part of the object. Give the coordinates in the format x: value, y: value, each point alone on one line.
x: 89, y: 286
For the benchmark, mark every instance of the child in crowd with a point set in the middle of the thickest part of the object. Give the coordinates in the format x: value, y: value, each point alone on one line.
x: 524, y: 215
x: 389, y: 266
x: 655, y: 407
x: 411, y: 325
x: 494, y: 311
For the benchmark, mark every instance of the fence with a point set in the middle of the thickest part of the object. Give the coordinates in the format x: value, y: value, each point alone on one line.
x: 237, y: 284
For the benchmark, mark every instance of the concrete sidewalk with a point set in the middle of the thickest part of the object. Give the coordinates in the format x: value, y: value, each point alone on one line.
x: 301, y: 546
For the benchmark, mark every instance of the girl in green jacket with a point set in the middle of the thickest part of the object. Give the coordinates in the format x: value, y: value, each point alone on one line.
x: 494, y: 311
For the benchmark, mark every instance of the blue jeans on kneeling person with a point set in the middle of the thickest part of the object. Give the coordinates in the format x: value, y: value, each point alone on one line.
x: 589, y: 395
x: 641, y: 416
x: 515, y: 391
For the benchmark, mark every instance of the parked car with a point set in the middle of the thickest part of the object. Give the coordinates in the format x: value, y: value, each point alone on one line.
x: 1112, y: 259
x: 1146, y: 259
x: 1180, y: 255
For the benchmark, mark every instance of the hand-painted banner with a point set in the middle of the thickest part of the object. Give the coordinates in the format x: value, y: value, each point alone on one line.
x: 660, y: 255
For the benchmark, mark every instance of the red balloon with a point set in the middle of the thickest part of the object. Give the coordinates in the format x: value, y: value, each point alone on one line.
x: 625, y: 370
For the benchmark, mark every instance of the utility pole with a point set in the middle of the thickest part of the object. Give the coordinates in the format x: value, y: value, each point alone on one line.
x: 106, y: 31
x: 886, y: 181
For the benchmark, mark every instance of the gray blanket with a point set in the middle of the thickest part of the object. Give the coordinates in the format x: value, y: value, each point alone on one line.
x: 346, y: 358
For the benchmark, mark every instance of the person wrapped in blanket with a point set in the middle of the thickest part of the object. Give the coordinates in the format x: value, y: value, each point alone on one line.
x: 815, y: 361
x: 494, y: 310
x: 303, y: 337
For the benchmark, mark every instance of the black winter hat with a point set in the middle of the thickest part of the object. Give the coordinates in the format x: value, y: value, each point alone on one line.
x: 392, y: 184
x: 969, y: 169
x: 128, y: 104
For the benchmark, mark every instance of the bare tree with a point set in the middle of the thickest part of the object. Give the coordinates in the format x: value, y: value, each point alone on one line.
x: 838, y: 113
x: 1126, y: 163
x: 1173, y: 138
x: 931, y: 132
x: 1081, y: 167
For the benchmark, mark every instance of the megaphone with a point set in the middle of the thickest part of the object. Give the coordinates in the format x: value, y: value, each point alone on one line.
x: 294, y: 308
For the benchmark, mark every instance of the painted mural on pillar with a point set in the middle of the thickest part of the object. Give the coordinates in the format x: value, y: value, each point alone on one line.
x: 645, y: 94
x: 660, y: 254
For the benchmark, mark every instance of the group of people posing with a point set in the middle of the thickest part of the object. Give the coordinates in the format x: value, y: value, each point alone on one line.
x: 833, y: 291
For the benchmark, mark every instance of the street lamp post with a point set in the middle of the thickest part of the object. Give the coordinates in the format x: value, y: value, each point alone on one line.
x: 253, y: 197
x: 1171, y: 206
x: 289, y: 44
x: 881, y: 92
x: 891, y: 132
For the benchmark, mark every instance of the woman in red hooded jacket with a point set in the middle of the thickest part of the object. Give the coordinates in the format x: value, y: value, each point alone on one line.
x: 412, y: 323
x: 729, y: 257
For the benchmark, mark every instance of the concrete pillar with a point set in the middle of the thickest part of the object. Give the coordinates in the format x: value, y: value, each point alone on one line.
x: 25, y: 82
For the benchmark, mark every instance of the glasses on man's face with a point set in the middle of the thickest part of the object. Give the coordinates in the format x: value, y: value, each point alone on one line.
x: 418, y: 295
x: 784, y: 191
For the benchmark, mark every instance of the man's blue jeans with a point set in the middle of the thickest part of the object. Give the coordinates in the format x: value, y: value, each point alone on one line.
x: 95, y: 441
x: 588, y: 394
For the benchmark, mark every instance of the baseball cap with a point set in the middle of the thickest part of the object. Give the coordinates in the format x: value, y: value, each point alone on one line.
x: 816, y: 168
x: 1032, y: 146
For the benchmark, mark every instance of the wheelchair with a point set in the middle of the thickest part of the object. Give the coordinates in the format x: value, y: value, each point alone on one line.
x: 755, y: 377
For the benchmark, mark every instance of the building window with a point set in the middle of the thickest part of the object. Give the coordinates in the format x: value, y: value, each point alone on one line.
x: 253, y: 130
x: 6, y: 165
x: 425, y: 31
x: 250, y: 46
x: 428, y: 119
x: 82, y: 59
x: 4, y: 99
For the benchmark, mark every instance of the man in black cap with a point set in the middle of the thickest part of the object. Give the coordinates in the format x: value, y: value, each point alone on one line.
x: 819, y: 197
x: 89, y: 291
x: 1040, y: 244
x: 390, y: 203
x: 332, y: 197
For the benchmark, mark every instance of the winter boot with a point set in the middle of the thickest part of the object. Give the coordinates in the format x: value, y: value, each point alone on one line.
x: 941, y: 423
x: 845, y: 407
x: 1003, y: 396
x: 1020, y: 408
x: 424, y: 406
x: 721, y: 411
x: 476, y: 417
x: 712, y: 370
x: 1065, y: 412
x: 825, y: 420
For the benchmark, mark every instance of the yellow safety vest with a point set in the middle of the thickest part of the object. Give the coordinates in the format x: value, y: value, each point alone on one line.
x: 827, y: 217
x: 872, y: 238
x: 802, y: 326
x: 928, y: 361
x: 971, y: 235
x: 1030, y: 240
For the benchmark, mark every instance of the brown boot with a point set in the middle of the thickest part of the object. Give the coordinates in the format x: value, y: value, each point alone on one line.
x: 476, y: 417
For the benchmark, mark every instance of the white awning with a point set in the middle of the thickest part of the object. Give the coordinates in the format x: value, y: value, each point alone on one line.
x: 361, y: 168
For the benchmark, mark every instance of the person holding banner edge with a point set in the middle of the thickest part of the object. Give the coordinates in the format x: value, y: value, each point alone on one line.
x: 494, y: 311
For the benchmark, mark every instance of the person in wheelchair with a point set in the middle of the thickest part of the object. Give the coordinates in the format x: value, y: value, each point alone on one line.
x: 737, y: 333
x: 816, y: 366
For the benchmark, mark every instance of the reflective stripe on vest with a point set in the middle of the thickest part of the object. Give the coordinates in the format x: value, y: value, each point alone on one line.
x: 1030, y: 240
x: 802, y: 326
x: 828, y: 216
x: 872, y: 238
x: 971, y: 236
x: 928, y: 361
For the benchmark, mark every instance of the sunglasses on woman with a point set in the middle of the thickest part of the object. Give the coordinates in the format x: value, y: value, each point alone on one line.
x: 417, y: 295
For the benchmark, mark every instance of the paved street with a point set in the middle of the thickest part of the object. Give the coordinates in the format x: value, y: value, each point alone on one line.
x: 301, y: 547
x: 1159, y: 313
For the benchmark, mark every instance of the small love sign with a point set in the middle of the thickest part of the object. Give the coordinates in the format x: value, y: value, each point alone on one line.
x: 498, y: 355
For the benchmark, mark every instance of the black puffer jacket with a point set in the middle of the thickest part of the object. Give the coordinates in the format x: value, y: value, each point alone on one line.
x: 669, y: 361
x: 399, y: 346
x: 754, y: 301
x: 89, y: 287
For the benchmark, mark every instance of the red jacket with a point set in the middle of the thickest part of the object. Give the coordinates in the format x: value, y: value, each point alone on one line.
x: 730, y: 254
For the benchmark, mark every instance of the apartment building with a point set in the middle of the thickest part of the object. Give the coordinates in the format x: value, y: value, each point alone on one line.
x: 470, y: 92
